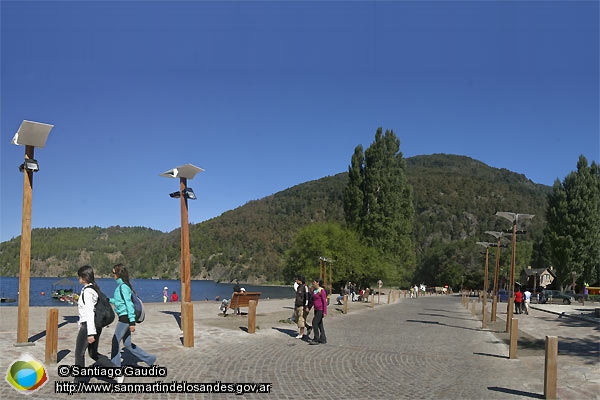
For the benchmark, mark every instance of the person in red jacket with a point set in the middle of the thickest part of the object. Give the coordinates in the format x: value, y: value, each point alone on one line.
x: 518, y: 301
x: 174, y: 297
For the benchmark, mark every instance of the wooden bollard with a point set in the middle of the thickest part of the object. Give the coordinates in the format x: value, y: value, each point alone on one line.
x: 379, y: 297
x: 389, y: 295
x: 345, y: 308
x: 252, y: 316
x: 372, y: 301
x: 187, y: 323
x: 514, y: 338
x: 484, y: 316
x: 551, y: 367
x: 473, y: 307
x: 51, y: 335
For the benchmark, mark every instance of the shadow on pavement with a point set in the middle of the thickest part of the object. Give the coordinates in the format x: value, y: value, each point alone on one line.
x: 439, y: 323
x: 176, y: 315
x: 516, y: 392
x: 68, y: 320
x: 491, y: 355
x: 289, y: 332
x: 445, y: 316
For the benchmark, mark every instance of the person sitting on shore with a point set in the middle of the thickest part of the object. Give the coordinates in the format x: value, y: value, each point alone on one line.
x: 340, y: 298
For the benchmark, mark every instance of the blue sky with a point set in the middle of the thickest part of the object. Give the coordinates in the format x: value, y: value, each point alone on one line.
x: 268, y: 95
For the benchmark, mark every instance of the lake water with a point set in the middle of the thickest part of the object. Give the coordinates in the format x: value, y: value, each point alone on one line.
x: 149, y: 290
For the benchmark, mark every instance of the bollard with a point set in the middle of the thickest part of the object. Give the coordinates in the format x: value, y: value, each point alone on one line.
x: 514, y: 337
x: 345, y: 308
x: 484, y: 316
x: 51, y: 335
x: 494, y: 307
x: 389, y: 295
x: 252, y: 316
x: 509, y: 312
x: 379, y: 296
x: 473, y: 307
x: 551, y: 367
x: 187, y: 323
x: 372, y: 301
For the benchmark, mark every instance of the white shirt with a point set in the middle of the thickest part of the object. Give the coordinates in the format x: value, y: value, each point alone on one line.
x: 86, y: 310
x: 527, y: 294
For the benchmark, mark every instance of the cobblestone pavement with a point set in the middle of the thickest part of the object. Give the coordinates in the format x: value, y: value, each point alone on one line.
x: 429, y: 347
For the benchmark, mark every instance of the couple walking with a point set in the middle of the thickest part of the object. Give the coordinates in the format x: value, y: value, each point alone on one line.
x: 89, y: 334
x: 305, y: 300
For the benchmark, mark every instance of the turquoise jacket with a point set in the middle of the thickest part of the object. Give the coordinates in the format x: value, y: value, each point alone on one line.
x: 123, y: 304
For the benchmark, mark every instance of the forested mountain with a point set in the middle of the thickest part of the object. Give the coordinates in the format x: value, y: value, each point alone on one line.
x: 455, y: 199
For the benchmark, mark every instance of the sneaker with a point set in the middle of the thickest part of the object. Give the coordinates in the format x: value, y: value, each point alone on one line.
x: 314, y: 342
x: 299, y: 337
x: 120, y: 379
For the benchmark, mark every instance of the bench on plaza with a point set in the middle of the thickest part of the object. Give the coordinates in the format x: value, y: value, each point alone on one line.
x: 242, y: 299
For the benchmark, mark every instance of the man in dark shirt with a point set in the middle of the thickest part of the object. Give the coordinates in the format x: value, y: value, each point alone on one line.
x: 301, y: 305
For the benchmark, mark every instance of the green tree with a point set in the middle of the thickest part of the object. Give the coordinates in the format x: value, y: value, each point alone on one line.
x: 352, y: 260
x: 378, y: 202
x: 573, y: 230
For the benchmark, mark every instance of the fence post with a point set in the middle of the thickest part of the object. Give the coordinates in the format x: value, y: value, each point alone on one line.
x: 551, y: 367
x: 252, y: 316
x: 514, y: 337
x: 484, y: 316
x: 187, y: 323
x: 51, y: 336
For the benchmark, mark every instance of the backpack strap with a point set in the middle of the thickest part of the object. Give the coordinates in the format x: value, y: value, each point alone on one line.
x: 121, y: 290
x: 83, y: 292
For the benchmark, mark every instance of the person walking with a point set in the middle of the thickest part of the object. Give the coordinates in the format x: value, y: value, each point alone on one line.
x: 319, y: 302
x: 88, y: 336
x: 301, y: 306
x: 518, y: 301
x: 165, y: 294
x: 527, y: 298
x: 126, y: 314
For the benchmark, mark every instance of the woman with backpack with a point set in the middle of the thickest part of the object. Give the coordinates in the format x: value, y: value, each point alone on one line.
x: 89, y: 332
x: 126, y: 314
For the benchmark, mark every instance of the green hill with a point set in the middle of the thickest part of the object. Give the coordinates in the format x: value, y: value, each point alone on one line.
x: 455, y: 201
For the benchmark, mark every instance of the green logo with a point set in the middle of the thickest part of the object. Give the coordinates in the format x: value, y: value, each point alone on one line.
x: 26, y: 374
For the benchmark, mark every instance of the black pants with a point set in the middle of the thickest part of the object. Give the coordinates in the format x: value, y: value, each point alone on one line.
x: 81, y: 345
x: 518, y: 307
x: 318, y: 327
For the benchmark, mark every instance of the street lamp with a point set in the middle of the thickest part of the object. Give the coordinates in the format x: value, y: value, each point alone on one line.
x: 514, y: 218
x: 485, y: 283
x: 31, y: 135
x: 498, y: 236
x: 184, y: 173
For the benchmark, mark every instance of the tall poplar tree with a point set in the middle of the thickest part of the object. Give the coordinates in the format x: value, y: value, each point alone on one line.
x: 573, y: 228
x: 378, y: 203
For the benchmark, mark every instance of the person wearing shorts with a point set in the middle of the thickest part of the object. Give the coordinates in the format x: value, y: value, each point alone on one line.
x: 301, y: 306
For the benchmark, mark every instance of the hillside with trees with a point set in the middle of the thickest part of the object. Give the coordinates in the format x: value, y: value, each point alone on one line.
x: 454, y: 200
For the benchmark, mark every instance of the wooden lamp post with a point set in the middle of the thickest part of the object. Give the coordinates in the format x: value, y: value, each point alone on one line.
x: 184, y: 173
x: 514, y: 218
x: 31, y: 135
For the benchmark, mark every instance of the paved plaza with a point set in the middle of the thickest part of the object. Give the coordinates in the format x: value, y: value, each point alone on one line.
x: 431, y: 347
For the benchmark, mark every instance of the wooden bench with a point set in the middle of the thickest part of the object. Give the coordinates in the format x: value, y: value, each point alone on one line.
x: 242, y: 299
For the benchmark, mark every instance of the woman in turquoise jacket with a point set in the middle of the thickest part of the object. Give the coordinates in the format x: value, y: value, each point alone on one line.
x: 126, y: 314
